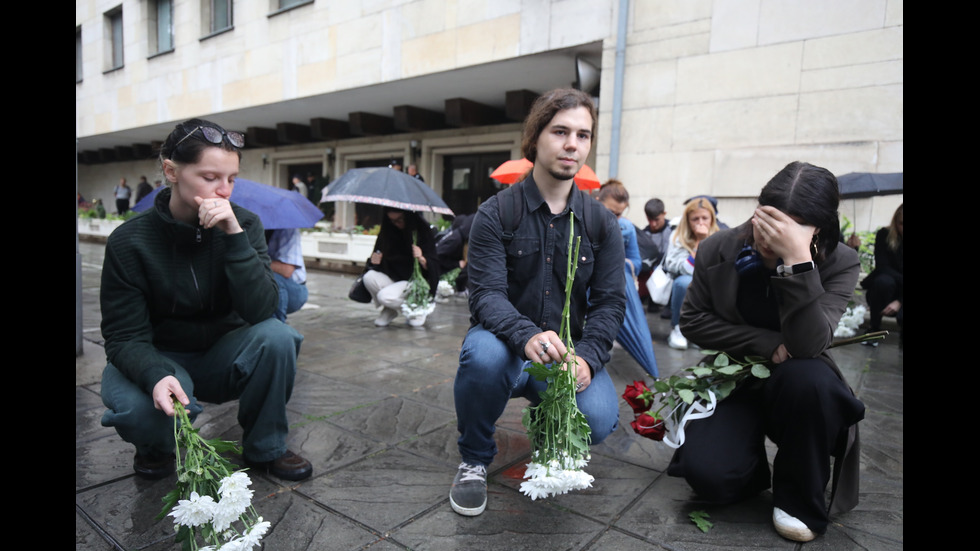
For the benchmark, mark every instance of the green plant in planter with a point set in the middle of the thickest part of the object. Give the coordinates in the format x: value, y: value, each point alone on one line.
x: 866, y: 251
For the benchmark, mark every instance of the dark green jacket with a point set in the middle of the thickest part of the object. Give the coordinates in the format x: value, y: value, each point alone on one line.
x: 170, y: 286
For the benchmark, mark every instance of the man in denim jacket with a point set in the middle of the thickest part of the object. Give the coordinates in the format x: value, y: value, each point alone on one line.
x: 517, y: 292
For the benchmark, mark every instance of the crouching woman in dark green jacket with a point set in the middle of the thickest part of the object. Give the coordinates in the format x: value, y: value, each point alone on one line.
x: 187, y: 303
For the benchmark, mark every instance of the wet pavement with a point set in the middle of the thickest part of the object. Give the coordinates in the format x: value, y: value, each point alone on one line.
x: 372, y: 409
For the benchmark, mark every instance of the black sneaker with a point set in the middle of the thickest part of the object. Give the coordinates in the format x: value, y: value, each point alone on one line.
x: 468, y: 496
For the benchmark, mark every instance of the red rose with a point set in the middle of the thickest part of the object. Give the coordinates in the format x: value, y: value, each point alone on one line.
x: 638, y: 396
x: 649, y: 426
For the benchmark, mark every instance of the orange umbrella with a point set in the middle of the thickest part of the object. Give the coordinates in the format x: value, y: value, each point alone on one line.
x: 511, y: 172
x: 586, y: 179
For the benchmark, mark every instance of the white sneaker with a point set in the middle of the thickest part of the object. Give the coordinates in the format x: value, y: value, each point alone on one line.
x: 676, y: 339
x: 417, y: 321
x: 790, y: 527
x: 387, y: 314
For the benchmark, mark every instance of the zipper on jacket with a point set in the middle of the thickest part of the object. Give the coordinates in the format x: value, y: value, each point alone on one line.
x: 197, y: 235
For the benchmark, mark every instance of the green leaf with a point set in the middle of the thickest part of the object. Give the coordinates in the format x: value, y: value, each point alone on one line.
x: 730, y: 370
x: 686, y: 395
x: 724, y: 389
x: 702, y: 371
x: 760, y: 371
x: 700, y: 519
x: 721, y: 360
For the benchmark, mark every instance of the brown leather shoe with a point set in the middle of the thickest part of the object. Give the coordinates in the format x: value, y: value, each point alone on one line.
x: 154, y: 468
x: 289, y: 466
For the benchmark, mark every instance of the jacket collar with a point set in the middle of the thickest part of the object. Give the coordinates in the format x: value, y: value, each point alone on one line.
x: 180, y: 230
x: 533, y: 199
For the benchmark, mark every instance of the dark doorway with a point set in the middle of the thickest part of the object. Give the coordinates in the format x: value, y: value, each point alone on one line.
x: 311, y: 174
x: 367, y: 215
x: 466, y: 180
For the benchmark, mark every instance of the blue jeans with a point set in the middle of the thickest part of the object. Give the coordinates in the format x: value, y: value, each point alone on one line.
x: 292, y: 296
x: 490, y: 374
x: 255, y: 365
x: 677, y: 294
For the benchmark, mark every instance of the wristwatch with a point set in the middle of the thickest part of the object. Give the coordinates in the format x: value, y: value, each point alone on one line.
x: 785, y: 270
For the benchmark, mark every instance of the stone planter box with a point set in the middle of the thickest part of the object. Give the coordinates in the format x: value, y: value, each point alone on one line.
x: 337, y: 247
x: 97, y: 228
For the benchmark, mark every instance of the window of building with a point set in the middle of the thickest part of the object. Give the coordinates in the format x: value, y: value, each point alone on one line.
x: 78, y: 54
x: 218, y: 15
x: 279, y: 6
x: 161, y: 26
x: 114, y: 38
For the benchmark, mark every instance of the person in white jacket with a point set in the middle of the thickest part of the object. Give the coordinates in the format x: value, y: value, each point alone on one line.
x: 697, y: 223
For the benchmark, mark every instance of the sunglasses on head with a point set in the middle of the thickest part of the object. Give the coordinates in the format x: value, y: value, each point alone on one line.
x: 214, y: 136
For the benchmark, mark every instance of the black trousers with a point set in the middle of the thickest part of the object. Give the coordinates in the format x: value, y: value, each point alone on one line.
x: 805, y: 409
x: 884, y: 289
x: 122, y: 206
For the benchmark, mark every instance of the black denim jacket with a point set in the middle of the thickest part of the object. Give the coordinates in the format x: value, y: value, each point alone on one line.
x: 518, y: 289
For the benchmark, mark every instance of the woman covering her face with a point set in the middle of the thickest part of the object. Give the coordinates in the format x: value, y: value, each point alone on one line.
x: 776, y: 287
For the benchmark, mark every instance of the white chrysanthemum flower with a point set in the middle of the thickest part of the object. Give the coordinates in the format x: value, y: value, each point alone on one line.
x: 577, y: 479
x: 233, y: 545
x: 224, y: 515
x: 196, y: 511
x: 851, y: 320
x: 444, y: 290
x: 234, y: 481
x: 417, y: 310
x: 235, y: 494
x: 254, y: 534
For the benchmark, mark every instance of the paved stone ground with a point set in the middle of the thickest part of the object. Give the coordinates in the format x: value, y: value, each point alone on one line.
x: 373, y: 410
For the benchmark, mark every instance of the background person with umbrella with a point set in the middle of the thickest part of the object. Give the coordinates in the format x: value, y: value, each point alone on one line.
x: 634, y: 335
x: 404, y: 237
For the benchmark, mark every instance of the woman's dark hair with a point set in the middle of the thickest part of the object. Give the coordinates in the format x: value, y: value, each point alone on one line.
x: 545, y: 108
x: 809, y: 194
x: 189, y: 150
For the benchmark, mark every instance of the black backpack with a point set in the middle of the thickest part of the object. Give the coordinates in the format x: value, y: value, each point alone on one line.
x: 510, y: 204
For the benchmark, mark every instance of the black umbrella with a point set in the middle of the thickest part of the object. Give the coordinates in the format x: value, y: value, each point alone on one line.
x: 386, y: 187
x: 856, y: 185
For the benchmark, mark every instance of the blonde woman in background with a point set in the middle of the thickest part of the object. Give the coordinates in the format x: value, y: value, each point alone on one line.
x: 697, y: 223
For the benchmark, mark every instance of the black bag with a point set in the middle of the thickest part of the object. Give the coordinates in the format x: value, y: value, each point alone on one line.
x: 358, y: 292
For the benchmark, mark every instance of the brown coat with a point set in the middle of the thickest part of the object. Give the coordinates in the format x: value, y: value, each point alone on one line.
x: 812, y: 305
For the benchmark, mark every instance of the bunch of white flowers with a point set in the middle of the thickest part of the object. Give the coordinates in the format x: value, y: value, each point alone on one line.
x: 555, y: 476
x: 557, y: 429
x: 209, y: 497
x: 851, y: 320
x: 444, y: 291
x: 418, y: 303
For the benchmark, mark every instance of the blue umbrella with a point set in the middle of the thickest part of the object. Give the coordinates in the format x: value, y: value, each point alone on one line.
x: 277, y: 207
x: 634, y: 335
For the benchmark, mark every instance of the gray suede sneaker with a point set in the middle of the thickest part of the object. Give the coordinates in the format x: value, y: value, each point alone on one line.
x: 468, y: 496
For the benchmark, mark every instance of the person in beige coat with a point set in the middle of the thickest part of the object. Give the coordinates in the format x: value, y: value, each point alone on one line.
x: 776, y: 287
